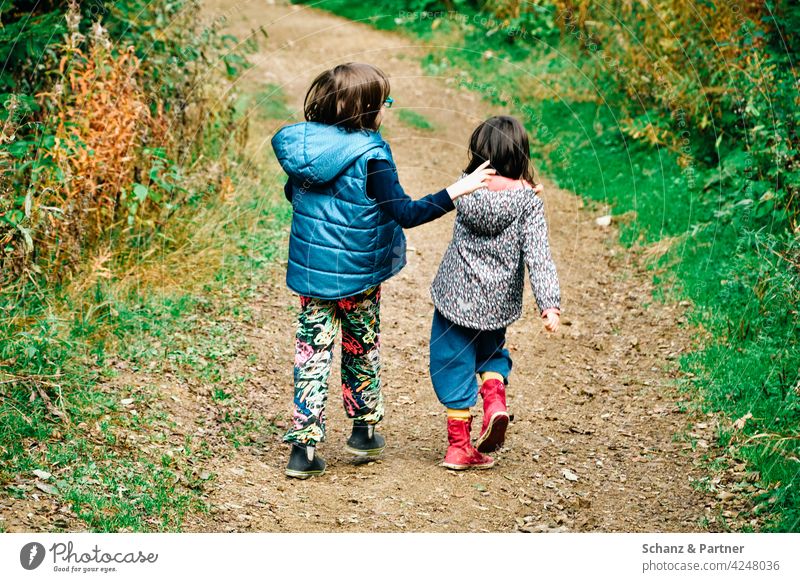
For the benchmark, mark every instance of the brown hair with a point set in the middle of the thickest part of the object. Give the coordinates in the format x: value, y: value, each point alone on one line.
x: 349, y: 96
x: 504, y: 141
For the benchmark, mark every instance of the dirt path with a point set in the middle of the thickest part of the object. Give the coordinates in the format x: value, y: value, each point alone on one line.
x: 593, y: 399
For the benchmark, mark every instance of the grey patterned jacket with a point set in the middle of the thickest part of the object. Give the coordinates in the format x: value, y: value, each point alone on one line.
x: 480, y: 281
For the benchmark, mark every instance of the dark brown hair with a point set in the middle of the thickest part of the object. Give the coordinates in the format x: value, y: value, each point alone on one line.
x: 349, y: 96
x: 504, y: 141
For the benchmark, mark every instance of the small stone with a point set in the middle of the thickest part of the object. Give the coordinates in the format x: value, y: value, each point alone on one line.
x: 569, y: 475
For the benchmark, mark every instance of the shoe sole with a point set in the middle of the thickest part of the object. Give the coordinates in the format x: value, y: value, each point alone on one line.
x: 464, y: 467
x: 495, y: 435
x: 303, y: 474
x: 364, y: 453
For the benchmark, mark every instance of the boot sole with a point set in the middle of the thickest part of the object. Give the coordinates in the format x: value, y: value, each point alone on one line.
x: 303, y: 474
x: 464, y: 467
x: 364, y: 453
x: 495, y: 435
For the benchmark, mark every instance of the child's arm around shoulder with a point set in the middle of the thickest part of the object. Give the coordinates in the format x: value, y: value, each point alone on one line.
x: 383, y: 185
x: 471, y: 182
x: 474, y: 203
x: 539, y: 261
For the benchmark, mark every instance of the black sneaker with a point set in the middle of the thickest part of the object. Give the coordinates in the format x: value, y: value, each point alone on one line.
x: 365, y: 442
x: 304, y: 463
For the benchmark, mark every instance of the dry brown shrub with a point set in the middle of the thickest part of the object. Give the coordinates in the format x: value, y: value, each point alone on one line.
x: 101, y: 122
x: 102, y: 118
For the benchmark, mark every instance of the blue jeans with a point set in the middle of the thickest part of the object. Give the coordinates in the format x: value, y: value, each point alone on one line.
x: 458, y: 353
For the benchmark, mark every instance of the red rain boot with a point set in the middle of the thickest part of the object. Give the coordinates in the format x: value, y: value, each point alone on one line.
x: 495, y: 416
x: 461, y: 454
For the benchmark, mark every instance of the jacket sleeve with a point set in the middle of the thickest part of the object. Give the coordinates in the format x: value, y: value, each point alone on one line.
x: 536, y: 253
x: 383, y: 186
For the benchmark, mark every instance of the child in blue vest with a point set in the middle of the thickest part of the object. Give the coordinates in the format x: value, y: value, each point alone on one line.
x: 477, y: 292
x: 346, y: 239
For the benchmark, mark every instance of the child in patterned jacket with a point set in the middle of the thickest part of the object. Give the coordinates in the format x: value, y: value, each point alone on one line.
x: 477, y: 292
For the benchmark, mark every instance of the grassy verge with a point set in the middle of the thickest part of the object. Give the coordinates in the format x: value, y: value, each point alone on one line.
x: 718, y: 253
x: 96, y: 441
x: 414, y: 119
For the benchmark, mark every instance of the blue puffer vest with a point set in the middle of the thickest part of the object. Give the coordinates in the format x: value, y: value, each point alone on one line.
x: 341, y: 243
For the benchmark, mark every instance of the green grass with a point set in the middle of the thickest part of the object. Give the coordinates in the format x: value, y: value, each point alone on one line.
x: 747, y: 360
x: 414, y: 119
x: 90, y: 468
x: 111, y: 482
x: 721, y: 254
x: 268, y: 103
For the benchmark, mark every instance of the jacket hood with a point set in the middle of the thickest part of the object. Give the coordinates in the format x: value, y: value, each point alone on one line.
x: 489, y: 211
x: 318, y: 153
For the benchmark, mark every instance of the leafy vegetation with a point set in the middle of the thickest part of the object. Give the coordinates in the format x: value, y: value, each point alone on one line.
x: 682, y: 117
x: 121, y: 158
x: 120, y: 162
x: 100, y: 119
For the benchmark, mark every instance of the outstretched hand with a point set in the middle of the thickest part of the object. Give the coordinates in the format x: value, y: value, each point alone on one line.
x: 471, y: 182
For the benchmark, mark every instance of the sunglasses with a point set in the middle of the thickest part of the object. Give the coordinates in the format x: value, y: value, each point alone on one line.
x: 388, y: 103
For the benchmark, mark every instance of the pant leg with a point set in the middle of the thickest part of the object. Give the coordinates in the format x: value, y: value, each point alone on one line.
x: 491, y: 354
x: 317, y: 327
x: 361, y: 363
x: 452, y: 363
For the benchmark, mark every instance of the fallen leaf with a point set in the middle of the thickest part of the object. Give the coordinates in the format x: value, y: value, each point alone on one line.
x: 43, y: 475
x: 569, y: 475
x: 47, y: 488
x: 739, y: 423
x: 403, y: 399
x: 579, y: 430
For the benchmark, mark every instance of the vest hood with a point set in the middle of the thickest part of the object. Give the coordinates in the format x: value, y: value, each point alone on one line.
x: 316, y: 153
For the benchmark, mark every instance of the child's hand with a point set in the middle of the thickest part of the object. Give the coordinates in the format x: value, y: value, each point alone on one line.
x: 551, y: 320
x: 538, y: 188
x: 471, y: 182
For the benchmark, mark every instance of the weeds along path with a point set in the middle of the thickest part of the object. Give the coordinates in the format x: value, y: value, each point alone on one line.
x: 592, y: 446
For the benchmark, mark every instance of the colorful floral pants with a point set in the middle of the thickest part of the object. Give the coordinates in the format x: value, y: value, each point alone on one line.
x: 317, y: 327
